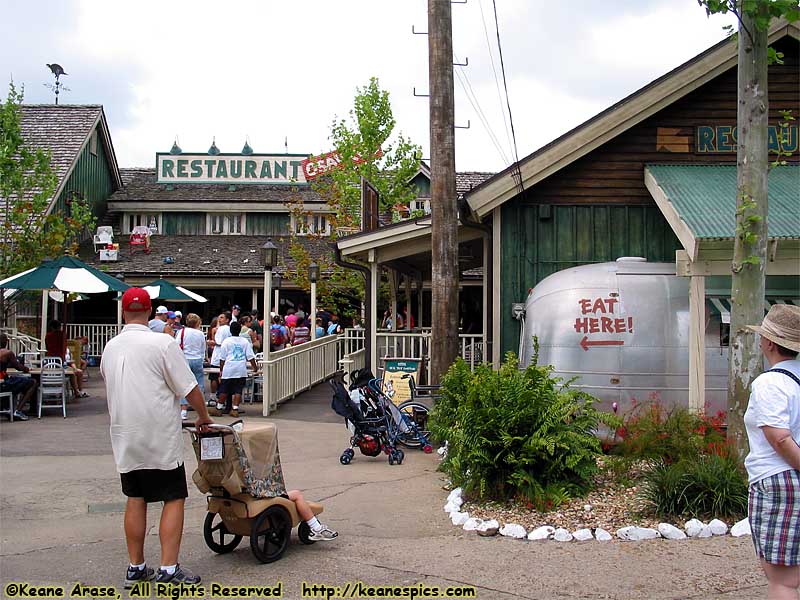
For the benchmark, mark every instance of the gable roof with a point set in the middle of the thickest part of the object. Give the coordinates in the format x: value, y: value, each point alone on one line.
x: 615, y: 120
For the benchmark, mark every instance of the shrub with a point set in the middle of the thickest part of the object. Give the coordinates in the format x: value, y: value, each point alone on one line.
x: 711, y: 485
x: 651, y: 432
x: 515, y: 433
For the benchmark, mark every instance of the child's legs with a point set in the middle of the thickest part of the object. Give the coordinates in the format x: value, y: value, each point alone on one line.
x: 303, y: 509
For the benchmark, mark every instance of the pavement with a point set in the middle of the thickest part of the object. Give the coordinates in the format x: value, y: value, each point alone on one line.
x: 61, y: 523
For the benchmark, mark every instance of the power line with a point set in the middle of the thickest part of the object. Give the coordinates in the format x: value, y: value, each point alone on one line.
x: 470, y: 93
x: 494, y: 71
x: 508, y: 103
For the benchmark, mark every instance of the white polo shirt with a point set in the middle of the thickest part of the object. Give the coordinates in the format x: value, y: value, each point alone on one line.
x: 146, y: 374
x: 222, y: 334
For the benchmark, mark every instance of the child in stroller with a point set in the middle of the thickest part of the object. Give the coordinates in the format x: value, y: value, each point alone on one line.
x: 376, y: 424
x: 239, y: 467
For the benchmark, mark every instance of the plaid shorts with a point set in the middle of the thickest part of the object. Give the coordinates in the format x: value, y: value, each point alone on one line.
x: 774, y: 512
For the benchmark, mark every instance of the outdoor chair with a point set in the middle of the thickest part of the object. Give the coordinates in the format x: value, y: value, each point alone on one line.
x: 52, y: 385
x: 103, y: 237
x: 140, y: 239
x: 7, y: 396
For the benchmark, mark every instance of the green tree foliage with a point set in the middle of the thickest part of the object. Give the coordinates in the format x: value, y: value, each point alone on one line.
x: 520, y: 434
x: 390, y: 160
x: 27, y: 184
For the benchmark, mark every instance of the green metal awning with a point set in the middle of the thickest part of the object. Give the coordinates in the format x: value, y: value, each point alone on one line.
x: 722, y: 306
x: 704, y: 198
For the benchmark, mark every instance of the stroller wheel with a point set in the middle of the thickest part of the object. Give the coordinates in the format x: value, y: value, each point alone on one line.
x: 427, y: 448
x: 304, y: 533
x: 269, y: 536
x: 345, y: 458
x: 391, y: 458
x: 217, y: 536
x: 399, y: 456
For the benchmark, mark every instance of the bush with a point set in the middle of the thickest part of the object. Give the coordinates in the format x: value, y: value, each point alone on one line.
x: 651, y: 432
x: 708, y: 486
x: 517, y: 433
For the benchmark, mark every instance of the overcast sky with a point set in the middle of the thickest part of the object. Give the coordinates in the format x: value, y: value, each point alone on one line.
x: 267, y: 70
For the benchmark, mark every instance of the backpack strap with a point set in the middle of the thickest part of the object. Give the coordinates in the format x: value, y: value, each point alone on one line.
x: 785, y: 372
x: 183, y: 332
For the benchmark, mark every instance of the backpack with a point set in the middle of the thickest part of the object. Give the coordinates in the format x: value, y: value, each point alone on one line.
x: 276, y: 337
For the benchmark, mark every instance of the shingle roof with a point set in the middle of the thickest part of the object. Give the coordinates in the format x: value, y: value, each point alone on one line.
x: 204, y: 255
x: 704, y: 196
x: 140, y: 186
x: 467, y: 180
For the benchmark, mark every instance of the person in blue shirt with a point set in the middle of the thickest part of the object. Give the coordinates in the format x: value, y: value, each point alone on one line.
x: 320, y: 329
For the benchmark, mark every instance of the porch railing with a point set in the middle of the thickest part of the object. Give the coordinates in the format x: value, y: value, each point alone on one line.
x: 98, y: 335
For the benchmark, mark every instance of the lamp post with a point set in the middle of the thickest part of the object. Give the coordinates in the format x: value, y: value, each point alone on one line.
x: 269, y: 258
x: 313, y: 276
x: 276, y: 284
x: 121, y: 277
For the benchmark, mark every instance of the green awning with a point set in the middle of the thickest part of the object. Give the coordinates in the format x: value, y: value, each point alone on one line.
x: 722, y: 306
x: 704, y: 197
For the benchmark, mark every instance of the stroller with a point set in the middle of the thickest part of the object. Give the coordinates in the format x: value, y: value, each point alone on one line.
x: 376, y: 424
x: 239, y: 467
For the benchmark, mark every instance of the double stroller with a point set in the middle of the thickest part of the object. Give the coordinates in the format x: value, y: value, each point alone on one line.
x: 239, y: 467
x: 376, y: 424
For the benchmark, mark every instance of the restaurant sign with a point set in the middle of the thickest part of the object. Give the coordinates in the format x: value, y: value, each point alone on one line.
x: 721, y: 139
x: 230, y: 168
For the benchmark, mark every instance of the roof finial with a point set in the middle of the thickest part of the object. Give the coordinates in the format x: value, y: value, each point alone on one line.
x: 247, y: 150
x: 176, y: 149
x: 213, y: 151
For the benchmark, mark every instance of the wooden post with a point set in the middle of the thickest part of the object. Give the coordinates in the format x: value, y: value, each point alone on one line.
x: 407, y: 279
x: 697, y: 344
x: 372, y: 327
x: 254, y: 298
x: 420, y: 301
x: 393, y: 299
x: 444, y: 209
x: 750, y: 246
x: 266, y: 390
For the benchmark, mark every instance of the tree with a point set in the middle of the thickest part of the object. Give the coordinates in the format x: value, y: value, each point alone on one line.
x: 367, y: 148
x: 748, y: 268
x: 28, y: 232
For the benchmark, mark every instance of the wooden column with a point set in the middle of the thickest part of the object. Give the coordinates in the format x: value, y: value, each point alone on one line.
x: 697, y: 343
x: 420, y: 301
x: 254, y: 298
x: 408, y: 301
x: 393, y: 299
x: 485, y: 299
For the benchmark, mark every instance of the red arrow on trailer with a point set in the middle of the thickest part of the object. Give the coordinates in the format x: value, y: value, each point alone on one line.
x: 585, y: 343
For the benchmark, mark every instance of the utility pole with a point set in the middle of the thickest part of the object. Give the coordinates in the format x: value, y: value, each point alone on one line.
x: 444, y: 208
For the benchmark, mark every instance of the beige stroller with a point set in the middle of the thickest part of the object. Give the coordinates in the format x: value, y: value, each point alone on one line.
x: 239, y: 467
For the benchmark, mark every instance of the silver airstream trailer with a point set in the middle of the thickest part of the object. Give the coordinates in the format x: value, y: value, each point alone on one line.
x: 622, y: 328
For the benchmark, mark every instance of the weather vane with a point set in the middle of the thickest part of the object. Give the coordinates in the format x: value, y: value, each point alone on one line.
x: 57, y: 70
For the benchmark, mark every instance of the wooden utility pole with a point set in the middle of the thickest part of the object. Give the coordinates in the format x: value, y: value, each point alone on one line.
x: 750, y: 244
x: 444, y: 208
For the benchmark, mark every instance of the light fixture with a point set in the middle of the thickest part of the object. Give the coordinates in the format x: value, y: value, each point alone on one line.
x: 313, y: 272
x: 269, y: 255
x: 276, y: 280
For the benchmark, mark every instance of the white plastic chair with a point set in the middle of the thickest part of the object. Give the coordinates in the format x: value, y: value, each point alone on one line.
x: 10, y: 398
x: 103, y: 237
x: 52, y: 385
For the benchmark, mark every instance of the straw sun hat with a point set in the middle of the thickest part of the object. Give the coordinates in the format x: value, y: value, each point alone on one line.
x: 781, y: 325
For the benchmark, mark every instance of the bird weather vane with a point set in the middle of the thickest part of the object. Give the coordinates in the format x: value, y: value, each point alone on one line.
x: 57, y: 70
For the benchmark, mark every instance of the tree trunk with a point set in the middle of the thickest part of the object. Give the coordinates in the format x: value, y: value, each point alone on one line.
x: 444, y: 209
x: 750, y: 245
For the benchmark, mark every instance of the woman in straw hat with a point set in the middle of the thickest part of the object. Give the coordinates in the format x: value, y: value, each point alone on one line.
x: 773, y: 464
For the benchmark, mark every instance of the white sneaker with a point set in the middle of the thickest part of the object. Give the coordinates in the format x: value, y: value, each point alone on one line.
x: 183, y: 414
x: 325, y: 534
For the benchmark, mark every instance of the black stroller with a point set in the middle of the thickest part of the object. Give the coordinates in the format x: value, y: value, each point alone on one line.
x: 376, y: 424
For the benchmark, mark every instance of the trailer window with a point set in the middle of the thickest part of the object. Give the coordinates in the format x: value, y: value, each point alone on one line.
x: 724, y: 334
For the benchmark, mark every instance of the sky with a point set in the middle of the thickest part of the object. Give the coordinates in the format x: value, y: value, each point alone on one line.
x: 280, y: 72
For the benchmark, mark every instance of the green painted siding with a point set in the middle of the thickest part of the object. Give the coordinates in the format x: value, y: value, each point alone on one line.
x: 267, y: 224
x: 540, y: 239
x: 91, y: 178
x: 183, y: 223
x: 423, y: 185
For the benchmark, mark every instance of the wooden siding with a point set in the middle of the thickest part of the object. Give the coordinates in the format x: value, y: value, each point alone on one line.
x: 91, y: 178
x: 599, y: 208
x: 267, y: 224
x: 183, y: 223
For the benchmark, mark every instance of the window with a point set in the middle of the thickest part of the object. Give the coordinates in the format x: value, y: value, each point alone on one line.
x: 316, y: 224
x: 225, y: 223
x: 93, y: 143
x: 150, y: 220
x: 423, y: 205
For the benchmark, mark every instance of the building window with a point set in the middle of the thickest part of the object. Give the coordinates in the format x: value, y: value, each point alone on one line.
x: 93, y: 143
x: 225, y: 223
x: 149, y: 220
x: 313, y: 224
x: 423, y: 205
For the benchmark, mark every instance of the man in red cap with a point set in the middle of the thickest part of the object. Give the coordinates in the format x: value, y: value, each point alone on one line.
x: 145, y: 377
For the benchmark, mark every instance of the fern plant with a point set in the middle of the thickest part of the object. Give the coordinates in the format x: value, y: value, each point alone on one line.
x: 515, y: 433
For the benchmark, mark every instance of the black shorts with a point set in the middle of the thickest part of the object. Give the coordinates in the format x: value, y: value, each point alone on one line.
x: 17, y: 384
x: 232, y: 386
x: 213, y: 376
x: 155, y: 485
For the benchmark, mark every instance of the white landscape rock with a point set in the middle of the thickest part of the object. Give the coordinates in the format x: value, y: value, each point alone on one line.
x: 718, y: 527
x: 545, y: 532
x: 472, y: 523
x: 488, y: 528
x: 601, y: 535
x: 513, y: 530
x: 452, y: 507
x: 741, y: 528
x: 671, y: 532
x: 583, y: 535
x: 562, y: 535
x: 705, y: 532
x: 459, y: 518
x: 456, y: 493
x: 693, y: 527
x: 633, y: 533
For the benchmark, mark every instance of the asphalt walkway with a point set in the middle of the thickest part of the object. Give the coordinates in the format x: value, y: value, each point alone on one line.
x: 61, y: 523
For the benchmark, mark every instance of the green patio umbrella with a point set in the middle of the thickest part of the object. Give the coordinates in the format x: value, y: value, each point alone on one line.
x: 66, y: 274
x: 167, y: 291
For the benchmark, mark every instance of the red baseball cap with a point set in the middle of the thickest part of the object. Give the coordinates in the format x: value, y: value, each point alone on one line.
x: 136, y: 300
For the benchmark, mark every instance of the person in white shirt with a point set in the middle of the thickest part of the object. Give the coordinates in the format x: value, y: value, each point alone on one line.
x: 222, y: 333
x: 159, y: 323
x: 145, y: 375
x: 772, y: 421
x: 236, y: 351
x: 193, y: 343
